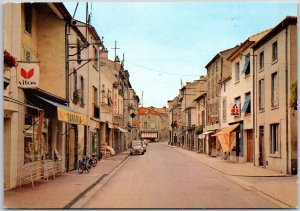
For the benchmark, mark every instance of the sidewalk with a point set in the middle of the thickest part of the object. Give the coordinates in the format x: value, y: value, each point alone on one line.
x: 62, y: 191
x: 283, y: 188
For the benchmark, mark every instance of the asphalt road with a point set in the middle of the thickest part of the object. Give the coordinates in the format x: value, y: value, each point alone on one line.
x: 165, y: 178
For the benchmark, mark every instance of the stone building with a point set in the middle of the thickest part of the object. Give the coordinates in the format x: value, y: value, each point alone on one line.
x: 238, y: 94
x: 275, y: 127
x: 217, y: 69
x: 36, y: 112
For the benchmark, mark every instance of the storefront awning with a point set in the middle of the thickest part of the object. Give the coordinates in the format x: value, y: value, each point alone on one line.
x: 226, y: 137
x: 122, y: 130
x: 227, y: 130
x: 66, y: 114
x: 208, y: 132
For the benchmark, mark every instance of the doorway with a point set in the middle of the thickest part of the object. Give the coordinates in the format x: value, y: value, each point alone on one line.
x: 249, y: 145
x: 73, y: 148
x: 261, y: 146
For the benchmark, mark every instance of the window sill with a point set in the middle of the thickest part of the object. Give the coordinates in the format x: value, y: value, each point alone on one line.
x: 27, y: 33
x: 275, y: 155
x: 274, y: 107
x: 236, y: 82
x: 274, y: 62
x: 246, y: 76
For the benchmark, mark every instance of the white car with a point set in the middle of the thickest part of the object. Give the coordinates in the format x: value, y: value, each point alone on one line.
x: 136, y: 147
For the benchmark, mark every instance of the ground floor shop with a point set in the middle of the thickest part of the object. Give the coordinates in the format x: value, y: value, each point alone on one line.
x: 42, y: 130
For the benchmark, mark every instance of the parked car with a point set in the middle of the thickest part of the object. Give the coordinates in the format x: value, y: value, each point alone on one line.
x: 146, y: 141
x: 136, y: 147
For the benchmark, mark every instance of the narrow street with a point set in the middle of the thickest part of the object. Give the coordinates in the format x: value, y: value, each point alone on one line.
x: 153, y: 180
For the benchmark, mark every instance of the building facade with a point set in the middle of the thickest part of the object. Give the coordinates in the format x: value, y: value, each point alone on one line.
x: 276, y: 108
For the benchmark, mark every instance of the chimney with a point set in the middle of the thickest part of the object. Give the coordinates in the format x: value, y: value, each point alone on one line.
x: 104, y: 53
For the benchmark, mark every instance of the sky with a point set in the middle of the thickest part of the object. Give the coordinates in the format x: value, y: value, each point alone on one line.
x: 165, y: 43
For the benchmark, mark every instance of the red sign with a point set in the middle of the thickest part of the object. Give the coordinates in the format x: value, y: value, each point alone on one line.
x: 28, y: 75
x: 235, y: 109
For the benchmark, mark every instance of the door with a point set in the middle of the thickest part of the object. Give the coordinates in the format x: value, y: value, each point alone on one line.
x: 249, y: 145
x: 72, y: 149
x: 261, y: 146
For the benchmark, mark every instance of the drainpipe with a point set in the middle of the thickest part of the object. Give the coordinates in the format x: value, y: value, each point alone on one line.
x: 286, y: 99
x: 67, y: 148
x: 254, y: 106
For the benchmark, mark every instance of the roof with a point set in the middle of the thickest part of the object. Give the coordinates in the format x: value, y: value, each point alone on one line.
x: 289, y: 20
x: 200, y: 96
x: 218, y: 55
x: 246, y: 44
x: 144, y: 111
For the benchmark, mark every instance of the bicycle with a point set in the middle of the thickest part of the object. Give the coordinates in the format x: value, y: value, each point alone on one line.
x: 84, y: 164
x: 93, y: 161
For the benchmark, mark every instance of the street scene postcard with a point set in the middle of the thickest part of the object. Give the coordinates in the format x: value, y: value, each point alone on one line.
x: 150, y: 105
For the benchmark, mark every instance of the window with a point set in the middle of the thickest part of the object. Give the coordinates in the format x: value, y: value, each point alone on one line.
x: 261, y: 94
x: 203, y: 117
x: 224, y: 109
x: 274, y: 91
x: 237, y: 71
x: 247, y: 104
x: 237, y: 101
x: 82, y: 90
x: 246, y: 69
x: 261, y: 60
x: 274, y: 138
x: 27, y: 55
x: 145, y: 125
x: 274, y: 51
x: 95, y: 58
x: 224, y: 86
x: 78, y: 51
x: 95, y: 93
x: 28, y: 17
x: 103, y: 93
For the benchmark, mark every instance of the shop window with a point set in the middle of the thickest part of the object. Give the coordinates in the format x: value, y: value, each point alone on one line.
x: 28, y: 17
x: 274, y: 139
x: 34, y: 149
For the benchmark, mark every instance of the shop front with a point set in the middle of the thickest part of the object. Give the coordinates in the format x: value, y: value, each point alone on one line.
x: 53, y: 133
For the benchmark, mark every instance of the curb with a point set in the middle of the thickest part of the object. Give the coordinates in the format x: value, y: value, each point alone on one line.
x: 73, y: 201
x: 242, y: 183
x: 228, y: 174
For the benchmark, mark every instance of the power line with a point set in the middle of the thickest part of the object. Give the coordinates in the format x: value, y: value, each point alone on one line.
x: 147, y: 68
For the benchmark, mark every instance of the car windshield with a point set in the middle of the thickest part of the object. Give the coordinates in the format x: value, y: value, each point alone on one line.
x: 136, y: 143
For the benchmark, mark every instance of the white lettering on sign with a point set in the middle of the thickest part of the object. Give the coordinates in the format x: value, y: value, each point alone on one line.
x: 28, y: 75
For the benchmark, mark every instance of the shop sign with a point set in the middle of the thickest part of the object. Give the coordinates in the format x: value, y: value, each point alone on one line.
x: 116, y: 99
x: 235, y: 109
x: 28, y: 75
x: 70, y: 117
